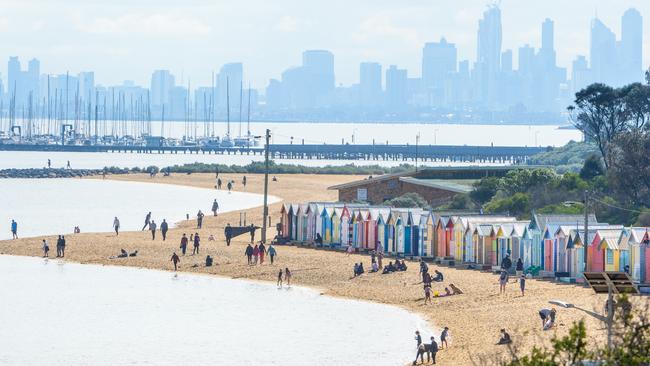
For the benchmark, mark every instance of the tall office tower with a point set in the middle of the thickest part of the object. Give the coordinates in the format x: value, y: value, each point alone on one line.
x: 370, y: 88
x: 603, y: 53
x: 229, y: 81
x: 14, y: 79
x: 631, y: 47
x: 526, y: 60
x: 31, y: 78
x: 162, y: 82
x: 506, y: 61
x: 580, y: 74
x: 439, y: 59
x: 488, y: 56
x: 547, y: 54
x: 87, y: 86
x: 396, y: 86
x: 318, y: 76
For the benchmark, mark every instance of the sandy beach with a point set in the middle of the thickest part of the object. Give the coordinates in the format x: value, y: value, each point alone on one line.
x: 474, y: 318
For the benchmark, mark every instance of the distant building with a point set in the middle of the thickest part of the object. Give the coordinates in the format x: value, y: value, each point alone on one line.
x: 439, y: 60
x: 370, y: 85
x: 162, y: 82
x: 631, y: 47
x: 396, y: 87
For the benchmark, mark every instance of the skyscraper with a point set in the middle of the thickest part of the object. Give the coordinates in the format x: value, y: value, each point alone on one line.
x: 546, y: 54
x: 631, y: 47
x: 14, y: 76
x: 162, y: 82
x: 318, y: 73
x: 603, y: 53
x: 229, y: 81
x: 396, y: 85
x: 370, y: 88
x: 439, y: 59
x: 488, y: 56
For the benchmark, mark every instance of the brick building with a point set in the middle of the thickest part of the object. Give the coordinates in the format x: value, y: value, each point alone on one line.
x: 436, y: 185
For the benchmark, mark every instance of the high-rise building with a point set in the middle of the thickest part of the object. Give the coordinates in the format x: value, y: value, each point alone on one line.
x: 14, y: 77
x: 87, y: 86
x: 603, y: 53
x: 318, y: 72
x: 580, y: 74
x: 546, y: 55
x: 370, y: 86
x: 439, y: 59
x: 396, y: 87
x: 162, y: 82
x: 506, y: 61
x: 631, y: 47
x: 229, y: 83
x: 488, y: 56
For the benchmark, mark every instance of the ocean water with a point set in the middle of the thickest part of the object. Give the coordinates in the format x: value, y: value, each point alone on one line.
x: 55, y: 313
x: 56, y: 206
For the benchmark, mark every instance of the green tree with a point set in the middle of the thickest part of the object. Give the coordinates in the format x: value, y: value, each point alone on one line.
x: 592, y: 167
x: 408, y: 200
x: 485, y: 189
x: 517, y: 205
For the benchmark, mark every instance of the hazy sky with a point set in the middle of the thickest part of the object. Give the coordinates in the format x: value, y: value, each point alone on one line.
x: 127, y: 39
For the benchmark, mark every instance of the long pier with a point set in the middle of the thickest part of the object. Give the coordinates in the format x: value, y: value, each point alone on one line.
x: 441, y: 153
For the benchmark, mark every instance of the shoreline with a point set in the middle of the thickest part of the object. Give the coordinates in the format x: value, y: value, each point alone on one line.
x: 474, y: 318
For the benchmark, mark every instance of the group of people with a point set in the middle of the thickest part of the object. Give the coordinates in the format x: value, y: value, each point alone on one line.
x: 428, y: 280
x: 430, y: 349
x: 397, y: 267
x: 196, y: 241
x: 255, y: 254
x: 60, y: 247
x: 504, y: 275
x: 287, y: 277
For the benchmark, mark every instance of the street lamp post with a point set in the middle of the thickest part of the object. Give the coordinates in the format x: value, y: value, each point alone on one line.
x: 266, y: 185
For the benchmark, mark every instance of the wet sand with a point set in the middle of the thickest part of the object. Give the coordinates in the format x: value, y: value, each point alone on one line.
x: 474, y: 318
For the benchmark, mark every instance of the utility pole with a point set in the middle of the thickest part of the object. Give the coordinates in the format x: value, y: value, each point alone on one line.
x: 266, y: 185
x: 585, y: 239
x: 417, y: 143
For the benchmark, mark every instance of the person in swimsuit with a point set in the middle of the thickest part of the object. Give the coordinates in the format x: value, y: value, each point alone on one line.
x: 287, y: 276
x: 280, y: 278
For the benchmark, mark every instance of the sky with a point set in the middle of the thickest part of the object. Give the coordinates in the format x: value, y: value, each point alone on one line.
x: 128, y: 39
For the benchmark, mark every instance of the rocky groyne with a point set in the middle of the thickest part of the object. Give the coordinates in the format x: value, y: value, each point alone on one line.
x: 53, y: 173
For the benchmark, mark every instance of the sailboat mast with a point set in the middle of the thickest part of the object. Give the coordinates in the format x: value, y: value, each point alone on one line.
x: 228, y: 106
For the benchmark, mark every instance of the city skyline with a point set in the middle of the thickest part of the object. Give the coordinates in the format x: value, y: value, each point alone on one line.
x: 500, y: 84
x: 195, y: 39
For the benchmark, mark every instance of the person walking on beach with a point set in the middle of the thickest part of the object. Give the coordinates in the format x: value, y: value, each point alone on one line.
x: 228, y: 234
x: 287, y: 276
x: 280, y: 278
x: 522, y: 284
x: 443, y: 338
x: 68, y: 166
x: 147, y: 220
x: 14, y: 229
x: 249, y: 254
x: 262, y: 252
x: 164, y: 227
x: 197, y: 242
x: 199, y: 219
x: 218, y: 183
x: 49, y: 163
x: 252, y: 231
x: 184, y: 244
x: 519, y: 267
x: 433, y: 350
x: 46, y: 249
x: 176, y: 260
x: 272, y: 253
x: 116, y: 226
x: 256, y: 254
x: 215, y: 207
x: 503, y: 281
x: 229, y: 186
x: 152, y: 227
x: 418, y: 339
x: 243, y: 181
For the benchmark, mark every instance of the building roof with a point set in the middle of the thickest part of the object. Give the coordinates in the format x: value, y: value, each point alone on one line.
x: 442, y: 184
x: 365, y: 181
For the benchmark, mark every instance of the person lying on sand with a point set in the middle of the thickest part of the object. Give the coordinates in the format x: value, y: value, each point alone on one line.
x: 505, y: 338
x: 134, y: 254
x: 456, y: 290
x: 123, y: 254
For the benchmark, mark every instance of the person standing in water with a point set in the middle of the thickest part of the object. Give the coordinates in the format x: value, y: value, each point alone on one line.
x: 215, y: 207
x: 46, y: 249
x: 176, y: 260
x: 152, y: 227
x: 147, y: 220
x: 197, y: 242
x: 287, y: 276
x: 280, y: 278
x: 116, y: 226
x: 14, y: 229
x: 163, y: 229
x: 184, y: 244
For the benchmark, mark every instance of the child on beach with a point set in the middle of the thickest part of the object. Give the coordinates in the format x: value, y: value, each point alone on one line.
x: 272, y: 253
x: 443, y: 338
x: 280, y: 278
x: 183, y: 244
x: 46, y: 248
x: 287, y: 276
x: 503, y: 280
x: 175, y: 259
x: 522, y: 283
x: 427, y: 294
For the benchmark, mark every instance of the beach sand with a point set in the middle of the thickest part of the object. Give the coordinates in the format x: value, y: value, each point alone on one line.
x: 474, y: 318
